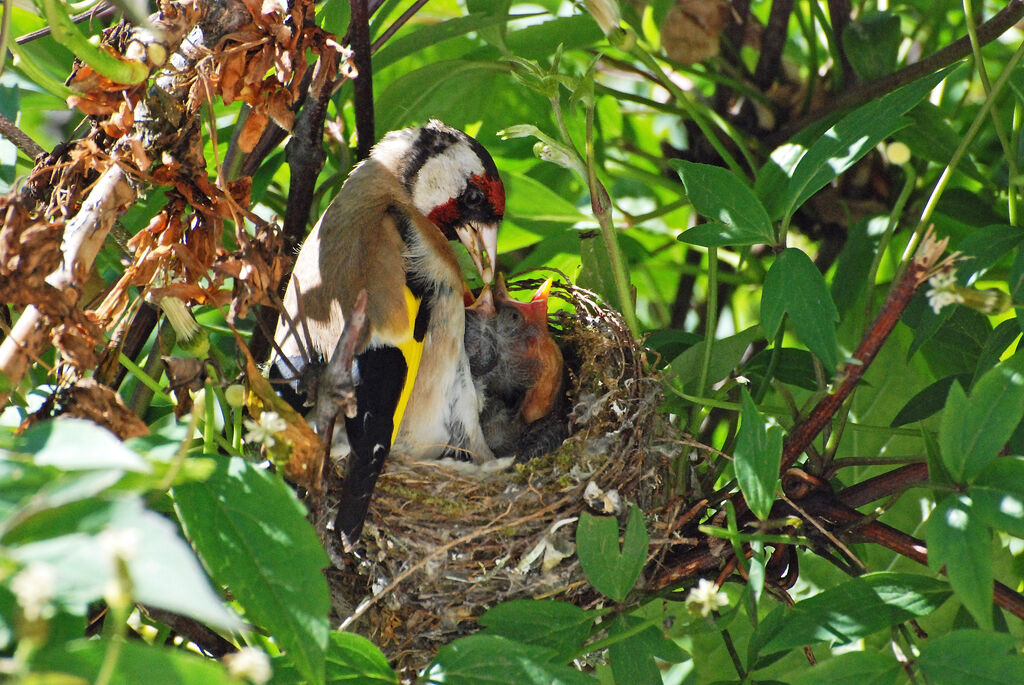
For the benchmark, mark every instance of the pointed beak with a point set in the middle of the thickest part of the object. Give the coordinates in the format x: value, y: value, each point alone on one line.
x: 541, y: 294
x: 482, y: 242
x: 484, y: 302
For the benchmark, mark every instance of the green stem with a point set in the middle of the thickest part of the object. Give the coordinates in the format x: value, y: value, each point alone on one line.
x: 144, y: 377
x: 710, y: 325
x: 602, y: 211
x: 958, y: 155
x: 997, y: 124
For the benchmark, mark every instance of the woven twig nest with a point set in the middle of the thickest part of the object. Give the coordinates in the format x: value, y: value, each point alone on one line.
x: 443, y: 545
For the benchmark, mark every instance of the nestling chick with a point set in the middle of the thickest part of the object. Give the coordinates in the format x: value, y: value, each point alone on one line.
x: 518, y: 369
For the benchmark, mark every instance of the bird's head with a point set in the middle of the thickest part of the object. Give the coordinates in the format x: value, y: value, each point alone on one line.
x: 454, y: 182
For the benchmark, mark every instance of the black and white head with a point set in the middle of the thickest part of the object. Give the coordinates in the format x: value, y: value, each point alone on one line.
x: 453, y: 181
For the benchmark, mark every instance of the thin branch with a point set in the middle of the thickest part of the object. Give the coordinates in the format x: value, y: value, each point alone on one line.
x: 398, y: 23
x: 20, y: 139
x: 359, y: 36
x: 987, y: 32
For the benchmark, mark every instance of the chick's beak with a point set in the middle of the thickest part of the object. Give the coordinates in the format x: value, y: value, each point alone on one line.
x: 484, y: 302
x: 482, y: 242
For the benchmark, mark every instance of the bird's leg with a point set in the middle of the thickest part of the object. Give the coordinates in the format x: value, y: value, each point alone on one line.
x: 335, y: 386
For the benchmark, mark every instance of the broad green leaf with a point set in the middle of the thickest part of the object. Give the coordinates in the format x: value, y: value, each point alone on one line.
x: 481, y: 659
x: 73, y: 444
x: 971, y: 656
x: 251, y: 532
x: 932, y: 137
x: 597, y: 273
x: 632, y: 660
x: 974, y: 429
x: 1015, y: 283
x: 998, y: 495
x: 164, y: 571
x: 559, y: 626
x: 728, y: 202
x: 928, y: 401
x: 995, y: 347
x: 983, y: 248
x: 757, y: 458
x: 959, y: 540
x: 855, y: 668
x: 795, y: 286
x: 792, y: 366
x: 852, y: 137
x: 726, y: 353
x: 137, y: 662
x: 353, y: 658
x: 715, y: 234
x: 530, y: 199
x: 849, y: 611
x: 613, y: 571
x: 438, y: 89
x: 872, y: 42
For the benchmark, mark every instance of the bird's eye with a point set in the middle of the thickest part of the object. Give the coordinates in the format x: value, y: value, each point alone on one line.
x: 473, y: 197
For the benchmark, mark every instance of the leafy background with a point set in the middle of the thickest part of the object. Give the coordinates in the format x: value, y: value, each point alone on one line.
x: 747, y: 211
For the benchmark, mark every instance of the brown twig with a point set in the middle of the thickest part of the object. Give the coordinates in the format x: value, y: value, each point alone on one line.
x: 20, y: 139
x: 359, y: 37
x: 101, y: 11
x: 899, y: 297
x: 885, y: 485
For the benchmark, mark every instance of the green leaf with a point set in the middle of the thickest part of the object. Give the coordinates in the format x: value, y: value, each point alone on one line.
x: 849, y: 611
x: 597, y: 273
x: 611, y: 570
x: 733, y: 208
x: 353, y: 658
x: 251, y: 532
x: 164, y: 571
x: 559, y: 626
x: 795, y: 286
x: 983, y: 248
x: 431, y: 34
x: 995, y: 347
x: 74, y: 444
x: 854, y: 668
x: 971, y: 656
x: 792, y: 366
x: 959, y: 540
x: 757, y: 458
x: 115, y: 67
x: 998, y: 495
x: 974, y: 430
x: 530, y: 199
x: 137, y: 662
x: 482, y: 659
x: 852, y: 137
x: 632, y: 660
x: 872, y: 42
x: 715, y: 234
x: 726, y: 353
x: 929, y: 400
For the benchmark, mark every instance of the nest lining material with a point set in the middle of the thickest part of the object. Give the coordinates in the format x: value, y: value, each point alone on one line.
x: 443, y: 545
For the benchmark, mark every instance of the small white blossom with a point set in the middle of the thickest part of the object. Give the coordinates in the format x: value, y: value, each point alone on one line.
x: 249, y: 663
x: 264, y: 430
x: 944, y: 291
x: 120, y: 543
x: 705, y: 598
x: 35, y: 587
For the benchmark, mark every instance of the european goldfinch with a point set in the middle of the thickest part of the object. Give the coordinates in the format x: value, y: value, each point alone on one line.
x: 388, y: 232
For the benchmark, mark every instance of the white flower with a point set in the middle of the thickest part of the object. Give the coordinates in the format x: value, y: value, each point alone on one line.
x: 35, y: 587
x: 120, y: 543
x: 249, y: 663
x: 705, y: 598
x: 265, y: 429
x: 944, y: 291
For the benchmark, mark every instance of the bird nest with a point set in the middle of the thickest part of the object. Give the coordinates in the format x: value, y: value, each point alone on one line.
x: 442, y: 545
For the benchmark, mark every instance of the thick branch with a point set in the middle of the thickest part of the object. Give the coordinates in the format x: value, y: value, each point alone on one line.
x: 359, y: 35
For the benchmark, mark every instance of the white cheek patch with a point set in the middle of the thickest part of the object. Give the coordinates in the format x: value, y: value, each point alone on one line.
x: 444, y: 176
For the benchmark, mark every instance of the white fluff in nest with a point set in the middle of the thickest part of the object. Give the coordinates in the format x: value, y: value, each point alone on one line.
x: 601, y: 501
x: 550, y: 549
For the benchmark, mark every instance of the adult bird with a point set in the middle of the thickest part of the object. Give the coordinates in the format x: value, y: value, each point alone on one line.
x: 387, y: 232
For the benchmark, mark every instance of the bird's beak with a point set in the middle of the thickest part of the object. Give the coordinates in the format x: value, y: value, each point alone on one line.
x: 482, y: 242
x: 484, y: 302
x: 541, y: 294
